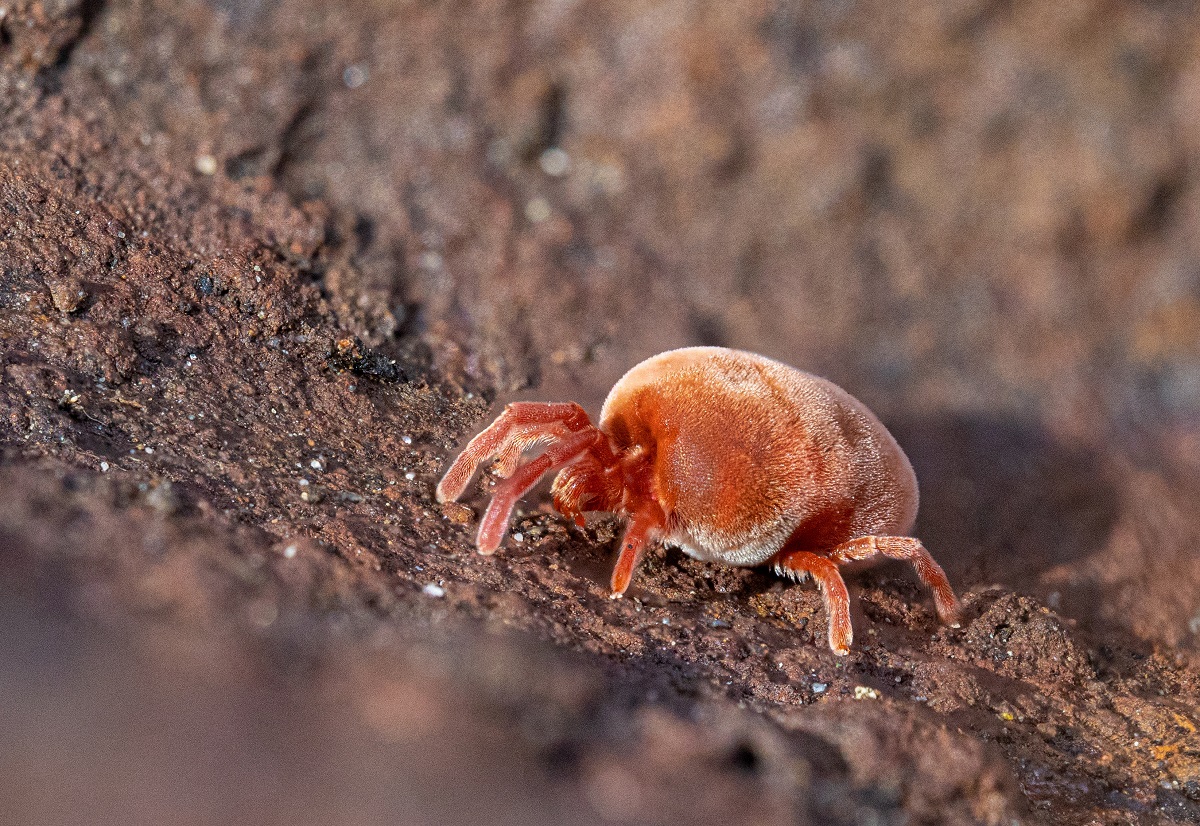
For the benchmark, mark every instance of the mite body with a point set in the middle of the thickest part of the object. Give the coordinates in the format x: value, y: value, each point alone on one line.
x: 735, y: 458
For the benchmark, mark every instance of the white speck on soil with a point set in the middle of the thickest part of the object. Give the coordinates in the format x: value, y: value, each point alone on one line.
x: 537, y: 210
x: 354, y: 76
x: 555, y: 162
x: 434, y: 590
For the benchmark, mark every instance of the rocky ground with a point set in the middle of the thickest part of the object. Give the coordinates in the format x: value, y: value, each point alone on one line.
x: 265, y: 264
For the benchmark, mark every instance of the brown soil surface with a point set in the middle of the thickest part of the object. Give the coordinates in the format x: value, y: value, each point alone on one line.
x: 264, y: 264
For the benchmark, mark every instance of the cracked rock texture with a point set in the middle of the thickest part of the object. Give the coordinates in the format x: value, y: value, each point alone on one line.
x: 265, y: 264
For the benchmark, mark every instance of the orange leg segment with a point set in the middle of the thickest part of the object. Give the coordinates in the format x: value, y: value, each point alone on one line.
x: 504, y: 499
x: 911, y: 550
x: 633, y: 547
x: 520, y: 426
x: 824, y: 571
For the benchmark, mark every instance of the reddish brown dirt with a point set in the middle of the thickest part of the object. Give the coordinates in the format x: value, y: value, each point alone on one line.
x: 265, y: 264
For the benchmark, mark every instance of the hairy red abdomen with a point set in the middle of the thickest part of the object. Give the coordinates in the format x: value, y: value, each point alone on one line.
x: 747, y: 453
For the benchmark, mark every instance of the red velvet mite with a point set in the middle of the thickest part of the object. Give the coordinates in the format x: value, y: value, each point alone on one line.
x: 733, y: 457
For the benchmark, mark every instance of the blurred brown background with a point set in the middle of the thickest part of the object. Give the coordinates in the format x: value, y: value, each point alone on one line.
x: 262, y: 263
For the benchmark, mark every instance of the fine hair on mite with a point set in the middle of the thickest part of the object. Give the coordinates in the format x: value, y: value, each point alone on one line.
x: 736, y: 458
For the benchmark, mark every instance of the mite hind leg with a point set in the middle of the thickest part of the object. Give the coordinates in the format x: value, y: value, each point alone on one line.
x: 913, y: 551
x: 799, y: 564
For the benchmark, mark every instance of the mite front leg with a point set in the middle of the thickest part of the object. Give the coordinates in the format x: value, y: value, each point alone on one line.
x: 911, y: 550
x: 520, y: 426
x: 797, y: 565
x: 504, y: 498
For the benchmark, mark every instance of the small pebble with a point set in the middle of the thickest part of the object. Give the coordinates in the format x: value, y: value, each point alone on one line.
x: 354, y: 76
x: 459, y: 514
x: 518, y: 537
x: 819, y: 688
x: 206, y: 165
x: 289, y: 552
x: 555, y: 162
x: 410, y: 476
x: 406, y: 439
x: 538, y: 210
x: 862, y: 692
x: 315, y: 464
x: 104, y: 467
x: 434, y: 590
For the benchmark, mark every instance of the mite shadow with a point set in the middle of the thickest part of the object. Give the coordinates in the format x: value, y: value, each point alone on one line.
x: 1003, y: 502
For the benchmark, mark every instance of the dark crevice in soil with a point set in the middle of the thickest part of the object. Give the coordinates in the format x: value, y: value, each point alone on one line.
x: 87, y: 13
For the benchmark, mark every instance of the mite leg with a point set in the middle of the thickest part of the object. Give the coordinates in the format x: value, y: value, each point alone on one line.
x: 633, y: 546
x: 910, y: 550
x: 520, y: 426
x: 824, y: 571
x: 504, y: 499
x: 586, y: 484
